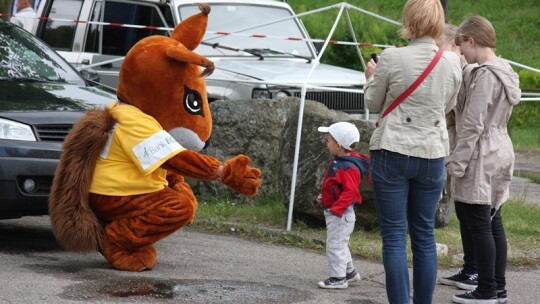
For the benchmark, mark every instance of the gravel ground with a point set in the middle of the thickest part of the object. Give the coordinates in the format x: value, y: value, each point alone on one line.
x: 523, y: 188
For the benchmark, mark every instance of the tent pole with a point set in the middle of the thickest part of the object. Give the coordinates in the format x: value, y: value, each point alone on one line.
x: 301, y: 117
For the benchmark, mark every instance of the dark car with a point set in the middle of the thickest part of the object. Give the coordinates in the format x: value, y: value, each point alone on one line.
x: 41, y: 98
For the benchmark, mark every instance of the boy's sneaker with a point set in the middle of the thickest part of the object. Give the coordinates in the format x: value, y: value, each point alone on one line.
x: 353, y: 276
x: 473, y: 297
x: 502, y: 296
x: 334, y: 283
x: 460, y: 276
x: 469, y: 284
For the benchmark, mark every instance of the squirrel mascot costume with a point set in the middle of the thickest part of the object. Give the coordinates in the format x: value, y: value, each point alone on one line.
x: 119, y: 186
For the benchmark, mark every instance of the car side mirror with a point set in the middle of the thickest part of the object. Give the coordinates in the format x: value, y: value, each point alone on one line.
x: 91, y: 76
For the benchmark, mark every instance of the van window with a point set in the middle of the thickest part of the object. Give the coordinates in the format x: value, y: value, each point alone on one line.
x: 117, y: 39
x: 60, y: 34
x: 92, y: 44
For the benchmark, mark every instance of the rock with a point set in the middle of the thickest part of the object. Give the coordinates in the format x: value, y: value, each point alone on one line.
x: 250, y: 127
x: 313, y: 161
x: 442, y: 249
x: 444, y: 209
x: 457, y: 259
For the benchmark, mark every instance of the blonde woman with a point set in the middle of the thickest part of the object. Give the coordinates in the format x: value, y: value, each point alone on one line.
x: 482, y: 163
x: 409, y: 146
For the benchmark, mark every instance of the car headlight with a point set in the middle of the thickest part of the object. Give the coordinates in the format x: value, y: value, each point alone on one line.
x: 282, y: 94
x: 260, y: 93
x: 15, y: 131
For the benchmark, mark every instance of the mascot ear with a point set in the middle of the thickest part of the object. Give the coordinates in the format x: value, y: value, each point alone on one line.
x: 190, y: 32
x: 182, y: 54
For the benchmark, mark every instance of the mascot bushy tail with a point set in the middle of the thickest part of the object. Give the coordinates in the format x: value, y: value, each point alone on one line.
x: 74, y: 224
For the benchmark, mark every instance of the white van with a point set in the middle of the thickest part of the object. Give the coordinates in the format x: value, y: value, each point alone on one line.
x: 259, y: 49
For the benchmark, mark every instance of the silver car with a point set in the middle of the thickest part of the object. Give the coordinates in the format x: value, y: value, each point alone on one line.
x: 260, y: 49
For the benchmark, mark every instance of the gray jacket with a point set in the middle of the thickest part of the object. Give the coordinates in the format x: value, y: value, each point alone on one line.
x: 482, y: 162
x: 417, y: 127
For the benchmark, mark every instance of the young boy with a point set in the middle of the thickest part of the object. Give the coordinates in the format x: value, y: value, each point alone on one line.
x: 338, y: 195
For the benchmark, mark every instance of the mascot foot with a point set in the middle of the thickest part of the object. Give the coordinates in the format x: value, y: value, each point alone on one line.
x: 141, y: 259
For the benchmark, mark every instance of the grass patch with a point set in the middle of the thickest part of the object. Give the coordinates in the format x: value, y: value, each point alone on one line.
x: 533, y: 176
x: 266, y: 221
x: 523, y: 233
x: 526, y: 139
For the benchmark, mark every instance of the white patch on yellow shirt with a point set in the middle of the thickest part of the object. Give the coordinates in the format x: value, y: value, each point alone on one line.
x: 155, y: 148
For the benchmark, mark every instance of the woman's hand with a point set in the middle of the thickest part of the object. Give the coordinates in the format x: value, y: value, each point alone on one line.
x: 370, y: 69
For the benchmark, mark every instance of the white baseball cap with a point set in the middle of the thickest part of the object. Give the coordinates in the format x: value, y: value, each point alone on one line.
x: 345, y: 133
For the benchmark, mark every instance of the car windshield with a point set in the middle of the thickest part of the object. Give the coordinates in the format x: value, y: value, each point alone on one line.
x: 247, y: 20
x: 24, y: 58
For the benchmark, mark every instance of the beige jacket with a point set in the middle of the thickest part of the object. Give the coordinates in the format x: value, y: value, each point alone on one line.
x: 417, y: 127
x: 451, y: 117
x: 482, y: 162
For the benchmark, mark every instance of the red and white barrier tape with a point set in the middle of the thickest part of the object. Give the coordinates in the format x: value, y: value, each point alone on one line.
x: 259, y: 36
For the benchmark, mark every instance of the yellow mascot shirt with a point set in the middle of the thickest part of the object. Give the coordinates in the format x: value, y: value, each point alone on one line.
x: 136, y: 148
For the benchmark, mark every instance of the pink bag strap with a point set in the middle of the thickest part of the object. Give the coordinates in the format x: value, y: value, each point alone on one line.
x: 415, y: 84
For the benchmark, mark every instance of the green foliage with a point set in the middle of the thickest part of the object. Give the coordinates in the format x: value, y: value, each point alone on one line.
x: 515, y: 21
x: 525, y: 115
x: 320, y: 24
x: 524, y: 126
x: 526, y: 139
x: 529, y: 79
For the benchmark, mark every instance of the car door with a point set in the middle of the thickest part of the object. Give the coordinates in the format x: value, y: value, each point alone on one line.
x: 111, y: 30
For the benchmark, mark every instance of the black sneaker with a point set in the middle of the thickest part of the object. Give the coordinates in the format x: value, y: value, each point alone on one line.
x: 460, y: 276
x: 353, y: 276
x: 469, y: 284
x: 473, y: 297
x: 501, y: 296
x: 334, y: 283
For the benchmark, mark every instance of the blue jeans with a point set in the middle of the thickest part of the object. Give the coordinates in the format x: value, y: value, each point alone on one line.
x: 407, y: 191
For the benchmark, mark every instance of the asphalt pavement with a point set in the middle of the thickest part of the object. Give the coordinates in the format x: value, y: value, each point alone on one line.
x: 195, y: 267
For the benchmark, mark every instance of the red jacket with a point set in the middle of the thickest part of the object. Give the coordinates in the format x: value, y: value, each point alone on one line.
x: 341, y: 182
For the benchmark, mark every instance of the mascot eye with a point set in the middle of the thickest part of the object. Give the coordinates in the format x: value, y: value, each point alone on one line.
x: 193, y: 102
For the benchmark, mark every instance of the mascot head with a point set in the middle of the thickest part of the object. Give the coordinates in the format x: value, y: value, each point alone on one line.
x: 162, y: 77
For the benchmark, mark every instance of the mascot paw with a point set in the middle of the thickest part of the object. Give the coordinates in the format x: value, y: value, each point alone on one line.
x: 240, y: 177
x: 130, y: 260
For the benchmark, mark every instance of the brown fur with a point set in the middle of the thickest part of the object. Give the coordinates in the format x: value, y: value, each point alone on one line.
x: 74, y: 224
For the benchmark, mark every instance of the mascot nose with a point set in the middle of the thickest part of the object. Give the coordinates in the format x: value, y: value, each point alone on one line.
x: 188, y: 139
